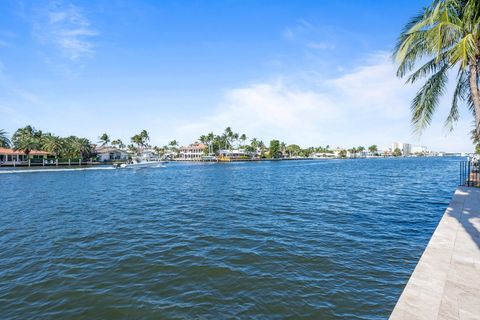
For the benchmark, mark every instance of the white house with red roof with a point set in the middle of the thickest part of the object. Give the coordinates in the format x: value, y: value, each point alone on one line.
x: 19, y: 157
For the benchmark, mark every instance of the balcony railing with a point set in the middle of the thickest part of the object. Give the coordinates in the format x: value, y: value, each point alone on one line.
x: 469, y: 173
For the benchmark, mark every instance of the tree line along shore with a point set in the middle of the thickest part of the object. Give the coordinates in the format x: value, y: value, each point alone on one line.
x: 28, y: 139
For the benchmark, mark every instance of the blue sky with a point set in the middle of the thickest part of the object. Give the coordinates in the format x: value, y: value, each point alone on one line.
x: 306, y: 72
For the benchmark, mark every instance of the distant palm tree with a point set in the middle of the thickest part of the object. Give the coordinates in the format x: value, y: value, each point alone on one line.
x: 235, y: 138
x: 4, y: 141
x: 27, y: 139
x: 228, y: 137
x: 261, y: 147
x: 145, y: 137
x: 243, y: 138
x: 447, y: 33
x: 104, y: 139
x: 82, y: 147
x: 119, y: 143
x: 52, y: 144
x: 138, y: 140
x: 173, y: 143
x: 210, y: 142
x: 75, y: 148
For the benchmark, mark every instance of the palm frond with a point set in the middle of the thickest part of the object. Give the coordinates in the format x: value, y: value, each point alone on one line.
x: 430, y: 67
x: 460, y: 94
x: 426, y: 101
x: 464, y: 51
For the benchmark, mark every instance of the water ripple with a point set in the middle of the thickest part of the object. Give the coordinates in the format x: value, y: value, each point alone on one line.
x: 299, y: 239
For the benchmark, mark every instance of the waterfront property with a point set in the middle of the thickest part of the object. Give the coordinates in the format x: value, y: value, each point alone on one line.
x: 17, y: 157
x: 323, y: 155
x: 233, y: 155
x: 110, y: 154
x: 192, y: 152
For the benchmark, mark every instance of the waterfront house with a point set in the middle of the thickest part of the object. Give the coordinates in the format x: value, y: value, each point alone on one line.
x: 229, y: 155
x: 18, y: 157
x: 323, y: 155
x: 105, y: 154
x: 192, y: 152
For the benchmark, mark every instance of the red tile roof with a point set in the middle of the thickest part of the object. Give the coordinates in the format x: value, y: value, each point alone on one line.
x: 6, y: 151
x: 197, y: 146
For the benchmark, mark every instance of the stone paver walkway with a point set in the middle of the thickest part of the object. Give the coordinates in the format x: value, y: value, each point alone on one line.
x: 446, y: 281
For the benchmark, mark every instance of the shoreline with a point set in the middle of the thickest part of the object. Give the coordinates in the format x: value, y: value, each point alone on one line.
x: 110, y: 165
x: 445, y: 281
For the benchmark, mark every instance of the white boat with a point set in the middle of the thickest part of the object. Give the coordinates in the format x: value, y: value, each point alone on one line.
x: 142, y: 164
x: 210, y: 157
x: 145, y: 160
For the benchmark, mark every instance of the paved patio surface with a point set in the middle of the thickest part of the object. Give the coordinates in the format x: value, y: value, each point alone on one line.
x: 446, y: 281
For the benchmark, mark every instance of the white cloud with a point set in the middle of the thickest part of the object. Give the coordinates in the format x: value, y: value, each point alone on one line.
x: 67, y: 29
x: 368, y: 105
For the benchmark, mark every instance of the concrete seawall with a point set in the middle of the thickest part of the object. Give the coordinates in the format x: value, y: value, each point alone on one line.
x: 446, y: 281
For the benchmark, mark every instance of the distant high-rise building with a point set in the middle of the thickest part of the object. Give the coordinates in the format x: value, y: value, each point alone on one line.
x: 406, y: 148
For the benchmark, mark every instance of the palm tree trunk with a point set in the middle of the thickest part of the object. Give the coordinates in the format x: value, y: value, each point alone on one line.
x: 475, y: 94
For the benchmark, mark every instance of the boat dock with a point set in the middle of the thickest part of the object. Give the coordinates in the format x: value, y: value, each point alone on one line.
x: 446, y: 281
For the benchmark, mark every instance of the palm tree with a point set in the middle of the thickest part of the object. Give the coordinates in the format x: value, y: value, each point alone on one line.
x: 254, y: 143
x: 373, y: 149
x: 235, y: 138
x: 82, y: 147
x: 27, y: 139
x: 145, y: 137
x: 138, y: 140
x: 243, y: 138
x: 104, y: 139
x: 261, y: 147
x: 210, y: 141
x: 75, y: 148
x: 447, y: 33
x: 228, y: 137
x: 118, y: 143
x: 52, y: 144
x: 4, y: 141
x: 173, y: 143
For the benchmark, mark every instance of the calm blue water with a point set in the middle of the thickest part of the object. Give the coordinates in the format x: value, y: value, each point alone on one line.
x: 334, y: 239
